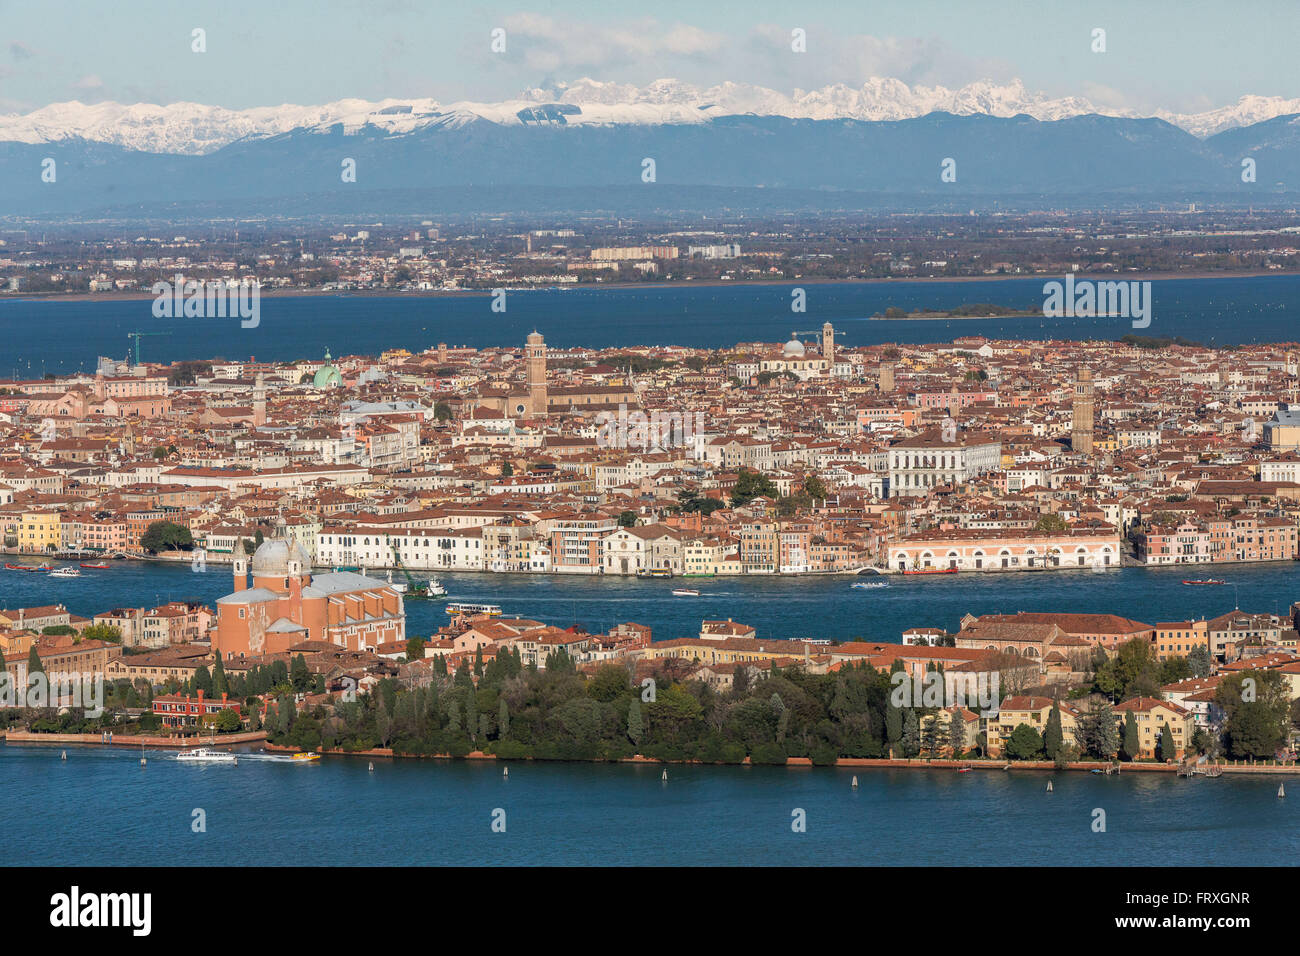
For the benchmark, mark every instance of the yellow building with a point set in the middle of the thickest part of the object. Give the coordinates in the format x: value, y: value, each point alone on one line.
x: 39, y: 532
x: 1034, y: 711
x: 969, y: 720
x: 1179, y: 638
x: 1151, y: 715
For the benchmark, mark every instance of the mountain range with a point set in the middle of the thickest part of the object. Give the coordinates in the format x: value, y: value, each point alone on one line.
x: 196, y: 129
x: 582, y: 147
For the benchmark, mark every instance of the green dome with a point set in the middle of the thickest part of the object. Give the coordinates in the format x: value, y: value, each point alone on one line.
x: 327, y: 376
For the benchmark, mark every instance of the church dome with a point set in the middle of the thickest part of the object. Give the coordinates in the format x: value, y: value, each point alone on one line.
x: 327, y: 376
x: 272, y: 557
x: 794, y: 348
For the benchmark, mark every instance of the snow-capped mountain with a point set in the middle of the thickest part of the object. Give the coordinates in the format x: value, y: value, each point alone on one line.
x: 196, y: 129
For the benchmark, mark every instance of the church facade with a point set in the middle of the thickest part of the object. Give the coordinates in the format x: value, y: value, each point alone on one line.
x: 286, y: 604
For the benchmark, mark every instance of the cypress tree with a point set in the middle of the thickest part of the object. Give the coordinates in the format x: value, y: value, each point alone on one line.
x: 1131, y: 745
x: 503, y: 720
x: 635, y: 729
x: 1053, y: 739
x: 219, y: 684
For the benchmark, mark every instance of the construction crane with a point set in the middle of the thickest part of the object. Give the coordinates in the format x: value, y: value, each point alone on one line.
x: 414, y: 589
x: 138, y: 336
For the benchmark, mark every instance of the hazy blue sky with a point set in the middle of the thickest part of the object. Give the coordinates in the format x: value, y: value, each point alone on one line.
x: 1185, y: 56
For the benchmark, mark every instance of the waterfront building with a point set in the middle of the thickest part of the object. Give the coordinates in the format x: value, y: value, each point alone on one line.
x: 287, y: 605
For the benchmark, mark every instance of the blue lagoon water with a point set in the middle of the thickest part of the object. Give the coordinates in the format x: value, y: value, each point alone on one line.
x: 100, y: 807
x: 55, y: 336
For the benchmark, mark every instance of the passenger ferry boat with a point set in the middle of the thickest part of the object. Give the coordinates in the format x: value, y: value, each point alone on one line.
x: 932, y: 571
x: 68, y: 572
x: 655, y: 573
x: 204, y: 755
x: 470, y: 609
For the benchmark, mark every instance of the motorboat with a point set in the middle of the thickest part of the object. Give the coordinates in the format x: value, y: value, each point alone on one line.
x: 100, y: 566
x: 1206, y: 581
x: 685, y: 592
x: 68, y: 572
x: 870, y: 585
x: 311, y: 755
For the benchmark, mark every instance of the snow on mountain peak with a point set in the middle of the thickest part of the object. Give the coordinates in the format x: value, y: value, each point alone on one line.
x: 193, y: 128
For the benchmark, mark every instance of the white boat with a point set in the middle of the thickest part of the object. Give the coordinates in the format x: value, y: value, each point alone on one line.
x: 470, y: 609
x: 870, y: 585
x: 685, y: 592
x: 204, y: 755
x: 435, y: 588
x: 67, y: 572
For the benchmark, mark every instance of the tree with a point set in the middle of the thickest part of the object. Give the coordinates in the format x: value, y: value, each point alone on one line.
x: 751, y: 484
x: 627, y: 519
x: 442, y: 412
x: 911, y: 741
x: 166, y: 535
x: 415, y: 649
x: 1025, y: 743
x: 1053, y: 738
x: 1132, y: 746
x: 220, y: 686
x: 815, y: 487
x: 202, y: 681
x: 635, y: 728
x: 503, y: 720
x: 1257, y: 708
x: 102, y: 632
x: 1199, y: 660
x: 1165, y: 744
x: 1053, y: 523
x: 956, y: 731
x: 299, y: 675
x: 34, y: 665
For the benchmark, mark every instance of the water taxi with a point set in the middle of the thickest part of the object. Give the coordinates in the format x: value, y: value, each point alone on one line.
x: 685, y: 592
x: 204, y: 755
x: 870, y: 585
x: 1206, y: 581
x: 469, y: 609
x: 307, y: 756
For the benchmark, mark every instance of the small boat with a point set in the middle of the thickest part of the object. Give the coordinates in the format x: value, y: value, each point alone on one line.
x: 100, y: 566
x: 43, y: 567
x: 964, y: 770
x: 1281, y: 790
x: 870, y: 585
x: 435, y: 589
x: 204, y: 755
x: 68, y: 572
x: 932, y: 571
x: 1049, y: 786
x: 28, y: 567
x: 1206, y: 581
x: 685, y: 592
x: 310, y: 755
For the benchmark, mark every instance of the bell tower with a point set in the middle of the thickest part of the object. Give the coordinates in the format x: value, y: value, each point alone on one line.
x: 1081, y: 432
x: 535, y: 357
